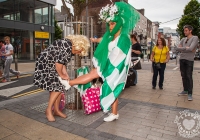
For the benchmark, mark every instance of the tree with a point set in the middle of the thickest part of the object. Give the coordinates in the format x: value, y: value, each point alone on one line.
x: 78, y: 6
x: 58, y: 31
x: 192, y: 17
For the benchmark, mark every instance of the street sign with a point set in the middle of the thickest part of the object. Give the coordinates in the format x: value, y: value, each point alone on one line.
x: 41, y: 35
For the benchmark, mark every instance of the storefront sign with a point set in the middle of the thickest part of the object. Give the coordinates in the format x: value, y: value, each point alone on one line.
x: 41, y: 34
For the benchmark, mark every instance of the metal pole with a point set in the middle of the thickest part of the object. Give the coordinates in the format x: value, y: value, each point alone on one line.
x: 87, y: 22
x: 76, y: 25
x: 71, y: 25
x: 91, y: 50
x: 65, y: 27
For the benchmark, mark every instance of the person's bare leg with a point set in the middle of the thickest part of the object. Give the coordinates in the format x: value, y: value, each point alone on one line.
x: 84, y: 79
x: 115, y: 107
x: 57, y: 111
x: 52, y: 98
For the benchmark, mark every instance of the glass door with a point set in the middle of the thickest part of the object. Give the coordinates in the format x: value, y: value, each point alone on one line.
x: 40, y: 45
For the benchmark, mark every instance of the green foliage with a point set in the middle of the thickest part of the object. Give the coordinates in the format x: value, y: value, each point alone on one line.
x: 58, y: 31
x: 192, y: 17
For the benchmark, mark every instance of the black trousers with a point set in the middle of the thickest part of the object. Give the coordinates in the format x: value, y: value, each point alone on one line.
x: 186, y: 68
x: 161, y: 74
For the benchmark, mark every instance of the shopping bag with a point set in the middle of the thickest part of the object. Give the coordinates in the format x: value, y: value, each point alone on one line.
x: 91, y: 100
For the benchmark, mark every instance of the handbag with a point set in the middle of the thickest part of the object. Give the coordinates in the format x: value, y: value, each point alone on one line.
x: 62, y: 102
x: 138, y: 66
x: 157, y: 65
x: 136, y: 63
x: 130, y: 78
x: 91, y: 100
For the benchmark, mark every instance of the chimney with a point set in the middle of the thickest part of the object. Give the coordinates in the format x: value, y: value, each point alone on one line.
x: 141, y: 11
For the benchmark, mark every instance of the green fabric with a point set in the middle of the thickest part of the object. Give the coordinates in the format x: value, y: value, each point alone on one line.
x: 126, y: 20
x: 113, y: 66
x: 82, y: 71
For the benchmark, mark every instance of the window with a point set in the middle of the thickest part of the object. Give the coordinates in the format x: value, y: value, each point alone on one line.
x: 38, y: 16
x: 41, y: 13
x: 24, y: 10
x: 7, y: 9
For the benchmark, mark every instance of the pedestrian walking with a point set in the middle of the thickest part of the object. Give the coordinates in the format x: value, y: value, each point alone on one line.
x: 136, y: 51
x: 9, y: 58
x: 112, y: 56
x: 2, y: 58
x: 159, y: 57
x: 51, y: 63
x: 187, y: 49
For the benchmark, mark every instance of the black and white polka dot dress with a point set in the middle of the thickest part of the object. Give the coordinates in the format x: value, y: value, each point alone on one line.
x: 46, y: 76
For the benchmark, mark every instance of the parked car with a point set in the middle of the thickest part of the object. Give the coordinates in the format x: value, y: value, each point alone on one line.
x: 172, y: 55
x: 197, y: 55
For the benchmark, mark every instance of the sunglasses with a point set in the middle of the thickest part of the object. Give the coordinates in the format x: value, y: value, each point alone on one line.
x: 186, y: 41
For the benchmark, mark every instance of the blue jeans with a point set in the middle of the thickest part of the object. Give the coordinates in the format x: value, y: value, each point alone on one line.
x: 161, y: 74
x: 186, y: 68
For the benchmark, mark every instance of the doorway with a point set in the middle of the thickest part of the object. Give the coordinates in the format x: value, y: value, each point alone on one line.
x: 40, y: 45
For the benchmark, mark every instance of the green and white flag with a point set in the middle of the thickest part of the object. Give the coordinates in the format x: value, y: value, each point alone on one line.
x: 114, y: 74
x: 82, y: 88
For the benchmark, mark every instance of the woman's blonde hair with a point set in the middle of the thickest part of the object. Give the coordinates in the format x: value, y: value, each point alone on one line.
x: 80, y: 42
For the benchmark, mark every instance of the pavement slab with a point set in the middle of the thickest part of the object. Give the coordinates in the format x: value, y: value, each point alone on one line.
x: 145, y: 114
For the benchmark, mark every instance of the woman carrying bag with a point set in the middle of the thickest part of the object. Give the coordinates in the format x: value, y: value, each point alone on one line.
x: 159, y: 57
x: 136, y: 51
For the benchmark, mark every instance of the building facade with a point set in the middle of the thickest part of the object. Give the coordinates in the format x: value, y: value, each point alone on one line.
x: 171, y: 36
x: 29, y: 24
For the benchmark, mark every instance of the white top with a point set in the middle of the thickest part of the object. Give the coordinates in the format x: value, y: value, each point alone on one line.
x: 8, y: 48
x: 112, y: 44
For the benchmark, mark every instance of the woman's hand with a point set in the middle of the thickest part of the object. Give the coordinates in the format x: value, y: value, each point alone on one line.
x: 65, y: 77
x: 167, y: 60
x: 93, y: 39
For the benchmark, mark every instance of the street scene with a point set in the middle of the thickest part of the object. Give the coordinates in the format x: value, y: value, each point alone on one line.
x: 99, y: 70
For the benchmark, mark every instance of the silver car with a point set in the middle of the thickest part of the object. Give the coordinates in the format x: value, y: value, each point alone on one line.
x: 172, y: 55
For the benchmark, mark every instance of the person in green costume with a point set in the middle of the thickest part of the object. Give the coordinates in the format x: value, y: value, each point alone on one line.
x: 112, y: 56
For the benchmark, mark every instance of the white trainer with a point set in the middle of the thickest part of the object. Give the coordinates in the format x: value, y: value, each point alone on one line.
x: 111, y: 117
x: 64, y: 82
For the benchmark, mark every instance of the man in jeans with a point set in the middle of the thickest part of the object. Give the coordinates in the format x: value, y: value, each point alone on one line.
x: 9, y: 58
x: 187, y: 47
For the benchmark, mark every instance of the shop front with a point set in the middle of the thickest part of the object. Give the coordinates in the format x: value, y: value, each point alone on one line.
x: 29, y: 24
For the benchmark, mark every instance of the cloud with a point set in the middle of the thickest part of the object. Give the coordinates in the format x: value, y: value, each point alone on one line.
x: 160, y: 10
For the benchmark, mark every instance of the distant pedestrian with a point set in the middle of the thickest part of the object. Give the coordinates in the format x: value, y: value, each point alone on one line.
x: 2, y: 58
x: 187, y: 49
x: 9, y: 58
x: 136, y: 51
x: 159, y: 57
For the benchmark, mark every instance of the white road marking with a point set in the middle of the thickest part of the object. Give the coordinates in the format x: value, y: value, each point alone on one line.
x: 175, y: 68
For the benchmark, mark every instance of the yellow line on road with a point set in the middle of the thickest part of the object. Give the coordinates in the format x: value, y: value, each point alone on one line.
x: 28, y: 93
x: 21, y: 76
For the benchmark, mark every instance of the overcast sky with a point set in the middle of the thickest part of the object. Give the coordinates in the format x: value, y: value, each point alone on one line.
x: 157, y: 10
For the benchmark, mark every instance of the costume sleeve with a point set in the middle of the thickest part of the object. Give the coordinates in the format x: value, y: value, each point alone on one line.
x: 62, y: 51
x: 60, y: 57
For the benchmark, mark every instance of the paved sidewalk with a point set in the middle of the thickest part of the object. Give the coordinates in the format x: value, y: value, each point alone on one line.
x: 145, y: 114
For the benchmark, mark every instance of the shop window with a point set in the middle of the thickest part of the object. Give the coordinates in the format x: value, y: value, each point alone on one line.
x: 24, y: 10
x: 7, y: 9
x: 41, y: 13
